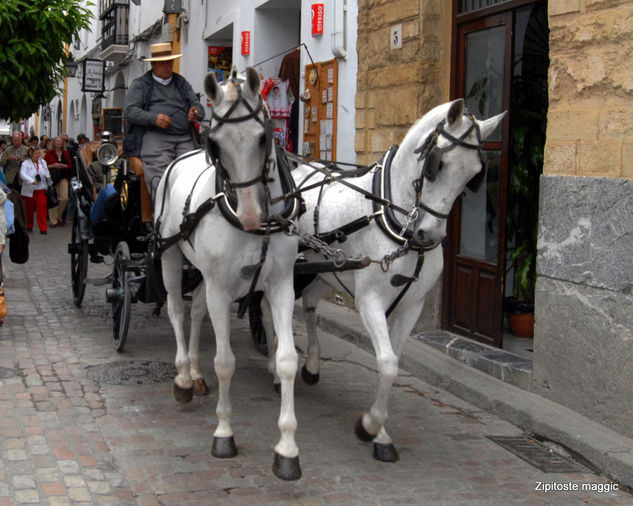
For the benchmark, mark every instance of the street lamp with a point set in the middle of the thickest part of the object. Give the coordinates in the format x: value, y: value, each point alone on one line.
x: 71, y: 66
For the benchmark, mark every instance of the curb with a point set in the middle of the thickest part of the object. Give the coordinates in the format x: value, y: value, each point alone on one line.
x: 604, y: 450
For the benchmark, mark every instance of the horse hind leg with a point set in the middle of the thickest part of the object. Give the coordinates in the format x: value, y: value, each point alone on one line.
x: 172, y: 271
x: 271, y: 342
x: 198, y: 310
x: 310, y: 372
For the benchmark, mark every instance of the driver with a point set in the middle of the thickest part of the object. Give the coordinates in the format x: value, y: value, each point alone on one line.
x: 160, y: 108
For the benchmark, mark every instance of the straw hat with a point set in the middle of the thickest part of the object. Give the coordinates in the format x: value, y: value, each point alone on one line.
x: 162, y: 52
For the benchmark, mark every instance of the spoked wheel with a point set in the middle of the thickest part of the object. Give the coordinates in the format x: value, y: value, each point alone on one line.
x: 119, y: 296
x: 78, y: 250
x: 256, y: 324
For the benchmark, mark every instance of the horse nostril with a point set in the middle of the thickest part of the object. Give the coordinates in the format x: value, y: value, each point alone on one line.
x: 419, y: 236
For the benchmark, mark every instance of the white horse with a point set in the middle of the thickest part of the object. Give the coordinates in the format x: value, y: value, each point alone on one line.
x: 232, y: 260
x: 438, y: 157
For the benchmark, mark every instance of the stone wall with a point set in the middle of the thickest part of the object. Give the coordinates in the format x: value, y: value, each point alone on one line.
x: 590, y: 120
x: 396, y: 87
x: 583, y: 341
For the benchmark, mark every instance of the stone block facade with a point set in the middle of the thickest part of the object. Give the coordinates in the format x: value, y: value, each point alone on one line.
x: 590, y: 120
x: 395, y: 87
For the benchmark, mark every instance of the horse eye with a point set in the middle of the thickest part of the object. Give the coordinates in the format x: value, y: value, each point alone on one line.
x: 262, y: 139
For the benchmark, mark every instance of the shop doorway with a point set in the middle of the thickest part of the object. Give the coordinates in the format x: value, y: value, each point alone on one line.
x: 499, y: 44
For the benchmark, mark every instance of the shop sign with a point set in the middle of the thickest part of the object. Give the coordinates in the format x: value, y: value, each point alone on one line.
x: 317, y: 19
x: 93, y: 76
x: 246, y: 43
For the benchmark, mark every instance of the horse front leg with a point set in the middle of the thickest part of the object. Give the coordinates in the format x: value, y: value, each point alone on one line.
x: 172, y: 262
x: 218, y: 305
x: 281, y: 298
x: 370, y: 427
x: 198, y: 310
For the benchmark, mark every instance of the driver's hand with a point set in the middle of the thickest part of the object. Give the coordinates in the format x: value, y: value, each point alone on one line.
x: 163, y: 121
x: 193, y: 114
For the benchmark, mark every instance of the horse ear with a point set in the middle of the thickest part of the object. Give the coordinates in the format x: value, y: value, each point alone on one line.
x: 212, y: 88
x: 455, y: 111
x: 487, y: 126
x: 252, y: 81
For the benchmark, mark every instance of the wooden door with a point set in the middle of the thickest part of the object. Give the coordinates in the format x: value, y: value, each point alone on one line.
x: 475, y: 253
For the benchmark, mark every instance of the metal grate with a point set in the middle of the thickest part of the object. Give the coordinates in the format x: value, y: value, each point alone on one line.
x: 465, y: 6
x: 132, y: 372
x: 538, y: 455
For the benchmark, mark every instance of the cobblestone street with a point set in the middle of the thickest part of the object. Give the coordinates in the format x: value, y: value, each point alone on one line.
x: 75, y: 429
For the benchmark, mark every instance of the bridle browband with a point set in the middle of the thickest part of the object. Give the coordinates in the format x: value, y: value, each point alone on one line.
x: 253, y: 113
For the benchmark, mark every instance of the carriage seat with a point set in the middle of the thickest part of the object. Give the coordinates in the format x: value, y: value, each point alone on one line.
x: 135, y: 164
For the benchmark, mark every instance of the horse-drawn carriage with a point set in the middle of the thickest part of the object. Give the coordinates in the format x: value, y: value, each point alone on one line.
x: 232, y: 212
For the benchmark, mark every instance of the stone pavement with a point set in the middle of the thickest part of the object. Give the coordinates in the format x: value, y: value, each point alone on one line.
x: 68, y: 435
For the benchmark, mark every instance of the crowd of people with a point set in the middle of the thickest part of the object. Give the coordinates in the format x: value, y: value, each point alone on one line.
x: 29, y: 167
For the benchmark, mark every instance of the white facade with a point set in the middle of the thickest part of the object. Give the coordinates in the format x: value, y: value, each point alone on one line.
x: 275, y: 26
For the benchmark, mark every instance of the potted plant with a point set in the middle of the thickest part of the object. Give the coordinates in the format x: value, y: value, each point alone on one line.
x: 527, y: 127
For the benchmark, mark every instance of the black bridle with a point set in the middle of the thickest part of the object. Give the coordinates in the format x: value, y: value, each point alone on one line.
x: 253, y: 113
x: 432, y: 156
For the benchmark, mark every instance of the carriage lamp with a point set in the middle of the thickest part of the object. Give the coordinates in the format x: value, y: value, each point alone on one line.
x: 71, y: 66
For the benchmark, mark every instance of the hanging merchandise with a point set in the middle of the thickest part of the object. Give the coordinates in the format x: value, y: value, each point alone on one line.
x: 275, y: 92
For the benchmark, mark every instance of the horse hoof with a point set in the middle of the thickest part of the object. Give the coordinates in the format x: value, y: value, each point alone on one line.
x: 286, y: 468
x: 200, y: 387
x: 360, y: 431
x: 385, y: 452
x: 308, y: 377
x: 183, y: 395
x: 277, y: 387
x: 223, y: 447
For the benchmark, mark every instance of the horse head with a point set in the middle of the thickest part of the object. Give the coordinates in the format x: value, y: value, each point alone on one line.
x: 452, y: 158
x: 239, y: 141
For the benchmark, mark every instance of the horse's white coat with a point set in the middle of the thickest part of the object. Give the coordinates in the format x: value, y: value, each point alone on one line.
x: 220, y: 250
x: 371, y: 286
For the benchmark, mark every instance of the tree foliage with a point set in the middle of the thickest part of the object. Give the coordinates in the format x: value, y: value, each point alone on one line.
x: 33, y: 38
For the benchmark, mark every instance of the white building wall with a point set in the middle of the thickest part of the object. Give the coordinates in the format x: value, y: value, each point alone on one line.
x: 275, y: 26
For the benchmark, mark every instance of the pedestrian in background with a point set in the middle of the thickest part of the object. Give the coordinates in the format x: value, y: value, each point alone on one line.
x: 43, y: 142
x: 35, y: 176
x: 11, y: 160
x: 59, y: 164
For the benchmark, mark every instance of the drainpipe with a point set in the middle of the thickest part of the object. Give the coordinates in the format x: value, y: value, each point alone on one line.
x: 338, y: 36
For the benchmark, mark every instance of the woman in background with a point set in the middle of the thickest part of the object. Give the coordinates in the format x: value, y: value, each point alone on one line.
x: 34, y: 174
x: 58, y: 162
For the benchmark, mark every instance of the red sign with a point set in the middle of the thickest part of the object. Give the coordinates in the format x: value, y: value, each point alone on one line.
x: 246, y: 43
x: 317, y: 19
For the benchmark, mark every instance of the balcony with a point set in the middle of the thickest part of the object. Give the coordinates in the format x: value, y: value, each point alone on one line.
x: 114, y: 32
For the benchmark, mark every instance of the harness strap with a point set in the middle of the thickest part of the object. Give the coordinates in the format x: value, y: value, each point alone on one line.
x: 416, y: 273
x: 189, y: 223
x: 262, y: 258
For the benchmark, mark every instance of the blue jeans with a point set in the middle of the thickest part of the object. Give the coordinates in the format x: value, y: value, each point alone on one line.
x: 98, y: 208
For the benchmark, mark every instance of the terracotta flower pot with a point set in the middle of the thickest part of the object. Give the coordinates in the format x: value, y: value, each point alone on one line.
x: 522, y: 324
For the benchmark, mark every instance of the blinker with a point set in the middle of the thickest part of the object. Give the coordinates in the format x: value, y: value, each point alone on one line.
x: 432, y: 164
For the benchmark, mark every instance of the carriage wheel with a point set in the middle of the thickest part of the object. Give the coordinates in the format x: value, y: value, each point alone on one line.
x: 258, y: 333
x: 78, y: 264
x: 119, y: 296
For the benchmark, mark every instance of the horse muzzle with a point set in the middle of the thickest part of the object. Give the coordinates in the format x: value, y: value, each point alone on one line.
x: 249, y: 211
